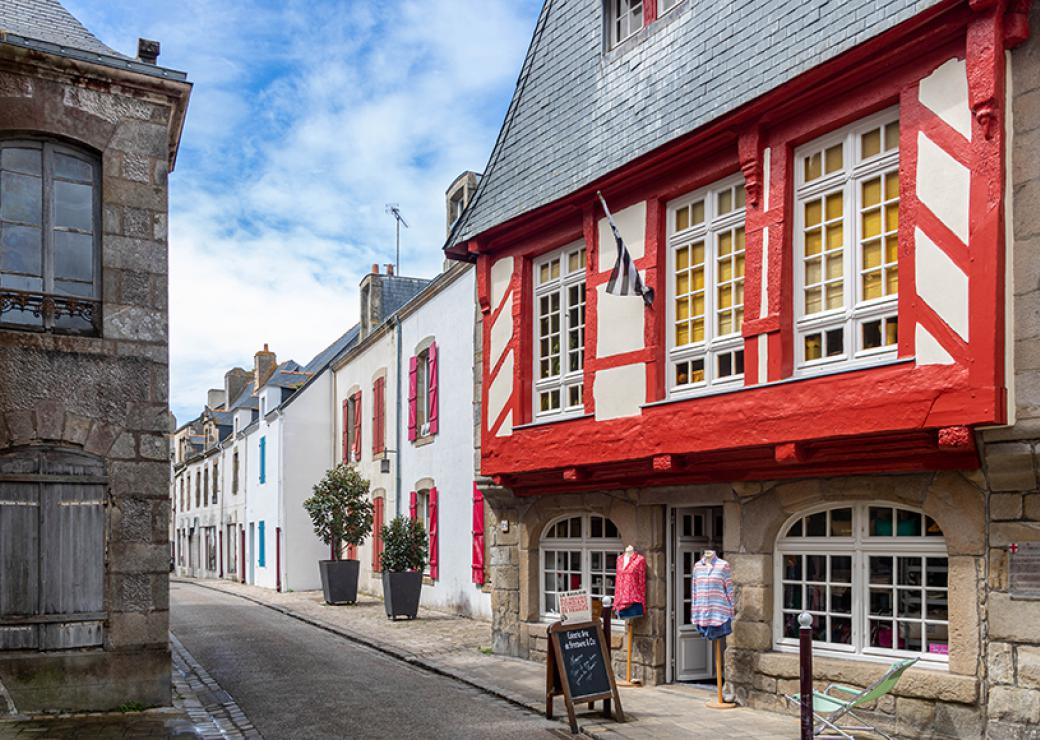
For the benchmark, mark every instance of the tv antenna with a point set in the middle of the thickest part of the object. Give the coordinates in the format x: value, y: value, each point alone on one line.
x: 394, y: 210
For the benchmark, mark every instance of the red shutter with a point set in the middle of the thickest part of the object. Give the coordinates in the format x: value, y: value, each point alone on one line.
x: 433, y: 534
x: 378, y: 416
x: 377, y: 534
x: 413, y: 507
x: 357, y: 426
x: 478, y: 536
x: 432, y: 385
x: 413, y: 363
x: 346, y: 427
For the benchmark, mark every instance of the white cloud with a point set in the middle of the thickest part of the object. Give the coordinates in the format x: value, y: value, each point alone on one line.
x: 306, y: 118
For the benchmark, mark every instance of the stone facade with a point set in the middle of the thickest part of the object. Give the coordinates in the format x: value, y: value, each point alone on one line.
x: 106, y: 396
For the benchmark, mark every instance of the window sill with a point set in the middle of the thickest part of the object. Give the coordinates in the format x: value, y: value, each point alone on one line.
x: 423, y: 441
x: 551, y: 420
x: 924, y: 662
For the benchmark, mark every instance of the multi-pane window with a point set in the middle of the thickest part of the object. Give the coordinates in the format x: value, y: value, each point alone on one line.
x: 234, y: 472
x: 847, y: 235
x: 665, y: 5
x: 706, y: 246
x: 216, y: 478
x: 578, y: 552
x: 626, y: 17
x: 874, y: 577
x: 48, y: 237
x: 559, y: 356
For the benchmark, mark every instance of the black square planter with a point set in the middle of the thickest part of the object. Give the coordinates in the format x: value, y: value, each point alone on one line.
x: 339, y: 579
x: 401, y: 592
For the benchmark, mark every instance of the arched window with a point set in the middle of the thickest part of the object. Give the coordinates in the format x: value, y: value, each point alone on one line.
x: 49, y: 237
x: 873, y: 576
x: 578, y: 551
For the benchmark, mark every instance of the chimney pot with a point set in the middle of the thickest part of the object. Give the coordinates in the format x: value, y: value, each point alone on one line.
x: 389, y: 268
x: 147, y: 50
x: 375, y: 268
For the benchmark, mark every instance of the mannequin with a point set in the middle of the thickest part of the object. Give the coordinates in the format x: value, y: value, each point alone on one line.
x: 630, y: 596
x: 711, y: 608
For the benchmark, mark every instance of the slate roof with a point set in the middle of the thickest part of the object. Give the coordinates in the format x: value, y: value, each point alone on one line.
x: 48, y: 20
x: 579, y: 113
x: 334, y: 350
x: 289, y: 374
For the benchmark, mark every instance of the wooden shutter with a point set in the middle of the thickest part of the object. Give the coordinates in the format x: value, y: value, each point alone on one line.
x: 413, y: 383
x: 433, y: 534
x: 431, y: 385
x: 357, y: 426
x: 346, y: 427
x: 263, y: 464
x: 19, y: 563
x: 478, y: 536
x: 413, y: 506
x: 377, y: 534
x: 378, y: 416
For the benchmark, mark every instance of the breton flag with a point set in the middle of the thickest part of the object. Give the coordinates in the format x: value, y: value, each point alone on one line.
x: 624, y: 278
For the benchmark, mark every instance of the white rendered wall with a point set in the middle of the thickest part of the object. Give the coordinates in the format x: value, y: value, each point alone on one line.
x: 448, y: 459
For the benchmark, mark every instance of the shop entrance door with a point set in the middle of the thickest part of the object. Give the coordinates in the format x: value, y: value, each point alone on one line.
x: 693, y: 531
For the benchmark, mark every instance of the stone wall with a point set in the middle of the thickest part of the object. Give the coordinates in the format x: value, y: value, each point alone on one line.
x: 106, y: 396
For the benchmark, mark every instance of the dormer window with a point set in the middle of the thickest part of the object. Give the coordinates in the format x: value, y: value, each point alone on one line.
x: 456, y: 207
x: 625, y: 18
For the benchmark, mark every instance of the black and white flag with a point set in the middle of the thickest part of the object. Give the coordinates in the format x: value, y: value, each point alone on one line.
x: 624, y: 278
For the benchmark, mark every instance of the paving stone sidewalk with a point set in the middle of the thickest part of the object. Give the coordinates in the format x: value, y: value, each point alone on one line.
x: 458, y: 647
x: 201, y: 709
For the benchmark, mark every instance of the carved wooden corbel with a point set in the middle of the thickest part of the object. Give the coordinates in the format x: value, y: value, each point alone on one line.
x: 749, y: 150
x: 985, y: 113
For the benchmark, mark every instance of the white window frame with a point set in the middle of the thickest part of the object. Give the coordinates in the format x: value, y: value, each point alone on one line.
x: 855, y: 311
x: 586, y: 544
x: 422, y: 391
x: 712, y: 346
x: 860, y: 546
x: 662, y: 7
x: 615, y: 20
x: 566, y: 379
x: 422, y: 514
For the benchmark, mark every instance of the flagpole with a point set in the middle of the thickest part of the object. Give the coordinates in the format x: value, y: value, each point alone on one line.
x: 647, y: 294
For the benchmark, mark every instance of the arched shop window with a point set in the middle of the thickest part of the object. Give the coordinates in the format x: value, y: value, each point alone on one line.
x: 873, y: 576
x: 578, y: 552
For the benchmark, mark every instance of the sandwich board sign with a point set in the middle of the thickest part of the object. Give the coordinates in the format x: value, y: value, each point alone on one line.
x: 578, y: 666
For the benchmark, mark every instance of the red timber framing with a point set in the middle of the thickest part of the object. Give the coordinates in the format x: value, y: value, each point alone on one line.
x: 898, y: 416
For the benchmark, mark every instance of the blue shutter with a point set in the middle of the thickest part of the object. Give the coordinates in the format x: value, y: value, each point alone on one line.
x: 262, y: 559
x: 263, y: 459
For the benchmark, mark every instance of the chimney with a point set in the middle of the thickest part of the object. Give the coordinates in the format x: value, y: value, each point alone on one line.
x: 390, y: 269
x: 235, y: 381
x: 264, y: 364
x: 147, y: 51
x: 375, y: 268
x: 214, y: 398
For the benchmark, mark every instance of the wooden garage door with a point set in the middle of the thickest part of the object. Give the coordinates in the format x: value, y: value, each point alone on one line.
x: 52, y: 550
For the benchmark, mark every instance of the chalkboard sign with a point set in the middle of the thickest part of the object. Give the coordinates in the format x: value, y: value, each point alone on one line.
x: 583, y: 662
x: 578, y: 666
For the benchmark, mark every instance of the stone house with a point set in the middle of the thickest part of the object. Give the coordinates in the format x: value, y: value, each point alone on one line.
x: 88, y: 137
x: 835, y: 385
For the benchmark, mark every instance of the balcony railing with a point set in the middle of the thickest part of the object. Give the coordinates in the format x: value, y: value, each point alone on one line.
x: 60, y: 314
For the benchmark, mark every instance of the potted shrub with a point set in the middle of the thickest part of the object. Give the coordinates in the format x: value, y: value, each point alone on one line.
x: 404, y: 557
x: 341, y: 513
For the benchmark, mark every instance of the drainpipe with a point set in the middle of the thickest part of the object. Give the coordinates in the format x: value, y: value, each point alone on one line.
x: 397, y: 426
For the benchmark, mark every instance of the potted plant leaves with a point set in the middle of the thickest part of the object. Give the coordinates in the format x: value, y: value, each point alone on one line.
x: 341, y: 513
x: 404, y: 558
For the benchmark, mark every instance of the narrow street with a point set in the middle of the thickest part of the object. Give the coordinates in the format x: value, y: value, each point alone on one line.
x: 294, y: 680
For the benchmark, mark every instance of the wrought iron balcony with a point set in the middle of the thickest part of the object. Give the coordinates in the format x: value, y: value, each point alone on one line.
x: 60, y: 314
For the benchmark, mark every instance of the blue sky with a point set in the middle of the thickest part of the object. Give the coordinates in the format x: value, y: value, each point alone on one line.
x: 305, y: 120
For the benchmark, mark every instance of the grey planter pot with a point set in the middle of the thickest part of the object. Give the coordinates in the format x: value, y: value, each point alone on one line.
x: 339, y: 579
x: 401, y: 593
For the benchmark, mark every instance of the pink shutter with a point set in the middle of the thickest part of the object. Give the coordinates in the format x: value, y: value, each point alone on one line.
x: 378, y: 416
x: 413, y: 383
x: 432, y: 385
x: 413, y: 506
x: 346, y: 426
x: 433, y: 534
x: 357, y: 426
x: 377, y: 534
x: 478, y: 536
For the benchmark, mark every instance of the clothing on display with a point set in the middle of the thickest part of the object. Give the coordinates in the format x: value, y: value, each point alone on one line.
x: 717, y: 631
x: 630, y: 585
x: 711, y: 592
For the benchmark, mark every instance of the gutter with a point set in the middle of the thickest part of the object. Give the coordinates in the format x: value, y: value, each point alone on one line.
x: 105, y: 60
x: 397, y: 425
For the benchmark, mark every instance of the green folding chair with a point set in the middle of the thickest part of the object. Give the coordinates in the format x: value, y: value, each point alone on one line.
x: 832, y: 712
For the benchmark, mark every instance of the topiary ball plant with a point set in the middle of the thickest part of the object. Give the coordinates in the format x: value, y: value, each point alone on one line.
x: 404, y: 545
x: 340, y: 509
